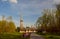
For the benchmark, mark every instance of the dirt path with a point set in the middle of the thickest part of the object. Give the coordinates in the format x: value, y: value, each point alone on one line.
x: 35, y: 36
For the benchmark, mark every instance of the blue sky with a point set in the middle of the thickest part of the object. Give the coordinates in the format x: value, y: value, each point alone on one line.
x: 29, y: 9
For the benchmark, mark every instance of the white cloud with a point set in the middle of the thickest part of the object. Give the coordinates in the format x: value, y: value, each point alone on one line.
x: 13, y: 1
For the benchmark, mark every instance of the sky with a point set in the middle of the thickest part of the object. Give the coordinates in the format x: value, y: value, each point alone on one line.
x: 30, y: 10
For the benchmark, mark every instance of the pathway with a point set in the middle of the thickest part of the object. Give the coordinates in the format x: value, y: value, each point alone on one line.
x: 35, y: 36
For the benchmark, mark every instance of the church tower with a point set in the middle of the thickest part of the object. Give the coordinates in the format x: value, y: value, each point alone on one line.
x: 21, y: 23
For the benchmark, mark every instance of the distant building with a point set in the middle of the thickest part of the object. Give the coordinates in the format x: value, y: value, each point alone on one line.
x: 22, y: 29
x: 27, y: 29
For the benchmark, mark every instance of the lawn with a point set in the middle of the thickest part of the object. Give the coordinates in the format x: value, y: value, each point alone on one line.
x: 51, y: 37
x: 12, y: 36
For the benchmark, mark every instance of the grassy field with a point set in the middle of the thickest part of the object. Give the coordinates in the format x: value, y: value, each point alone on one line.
x: 12, y: 36
x: 51, y: 37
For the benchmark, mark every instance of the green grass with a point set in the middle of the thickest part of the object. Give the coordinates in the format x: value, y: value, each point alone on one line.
x: 12, y: 36
x: 51, y: 37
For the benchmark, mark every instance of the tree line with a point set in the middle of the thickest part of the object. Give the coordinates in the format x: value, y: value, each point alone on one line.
x: 7, y: 26
x: 49, y: 21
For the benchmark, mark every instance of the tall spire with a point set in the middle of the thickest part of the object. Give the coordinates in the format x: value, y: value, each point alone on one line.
x: 21, y: 18
x: 21, y: 22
